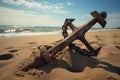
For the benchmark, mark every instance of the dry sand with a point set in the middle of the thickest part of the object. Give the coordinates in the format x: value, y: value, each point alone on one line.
x: 72, y: 66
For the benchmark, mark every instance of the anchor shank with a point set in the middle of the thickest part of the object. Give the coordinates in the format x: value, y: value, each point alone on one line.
x: 62, y: 44
x: 82, y: 32
x: 87, y: 26
x: 73, y: 36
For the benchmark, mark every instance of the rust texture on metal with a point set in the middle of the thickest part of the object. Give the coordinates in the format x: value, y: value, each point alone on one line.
x: 77, y: 33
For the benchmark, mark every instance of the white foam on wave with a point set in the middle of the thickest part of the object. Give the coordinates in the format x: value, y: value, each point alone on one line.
x: 41, y: 33
x: 6, y: 35
x: 10, y: 31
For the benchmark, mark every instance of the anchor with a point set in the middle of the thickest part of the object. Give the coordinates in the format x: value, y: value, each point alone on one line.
x: 77, y: 33
x: 46, y: 54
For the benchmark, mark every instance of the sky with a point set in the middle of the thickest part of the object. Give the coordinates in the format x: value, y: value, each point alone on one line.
x: 54, y: 12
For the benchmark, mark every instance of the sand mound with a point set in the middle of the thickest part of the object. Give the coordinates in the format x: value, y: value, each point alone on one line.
x: 69, y: 60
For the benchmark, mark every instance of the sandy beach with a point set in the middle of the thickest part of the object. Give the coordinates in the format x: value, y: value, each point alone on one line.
x: 73, y: 66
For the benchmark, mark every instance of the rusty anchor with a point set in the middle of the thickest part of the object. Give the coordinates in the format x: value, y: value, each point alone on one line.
x: 47, y: 53
x: 77, y: 33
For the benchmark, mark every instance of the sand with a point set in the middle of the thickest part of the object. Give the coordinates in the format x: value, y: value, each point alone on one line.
x: 16, y: 52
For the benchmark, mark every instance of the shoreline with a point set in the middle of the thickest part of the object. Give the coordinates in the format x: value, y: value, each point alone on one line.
x: 12, y: 35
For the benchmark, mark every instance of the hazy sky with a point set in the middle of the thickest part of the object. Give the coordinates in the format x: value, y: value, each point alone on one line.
x: 54, y: 12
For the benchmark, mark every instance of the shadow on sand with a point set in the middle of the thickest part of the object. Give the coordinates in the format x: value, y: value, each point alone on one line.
x: 78, y: 64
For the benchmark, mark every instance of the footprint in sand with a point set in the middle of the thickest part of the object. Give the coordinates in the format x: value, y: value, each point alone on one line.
x: 10, y: 47
x: 117, y: 47
x: 14, y: 50
x: 6, y: 56
x: 115, y: 36
x: 99, y: 37
x: 32, y: 43
x: 93, y: 42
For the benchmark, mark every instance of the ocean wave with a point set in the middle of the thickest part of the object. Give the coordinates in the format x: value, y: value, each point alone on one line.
x: 2, y: 30
x: 18, y: 30
x: 14, y: 31
x: 28, y: 34
x: 10, y: 31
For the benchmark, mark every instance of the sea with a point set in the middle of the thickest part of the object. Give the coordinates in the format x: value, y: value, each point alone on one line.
x: 18, y: 30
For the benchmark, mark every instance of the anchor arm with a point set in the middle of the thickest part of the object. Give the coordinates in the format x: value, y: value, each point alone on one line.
x: 87, y: 26
x: 87, y: 45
